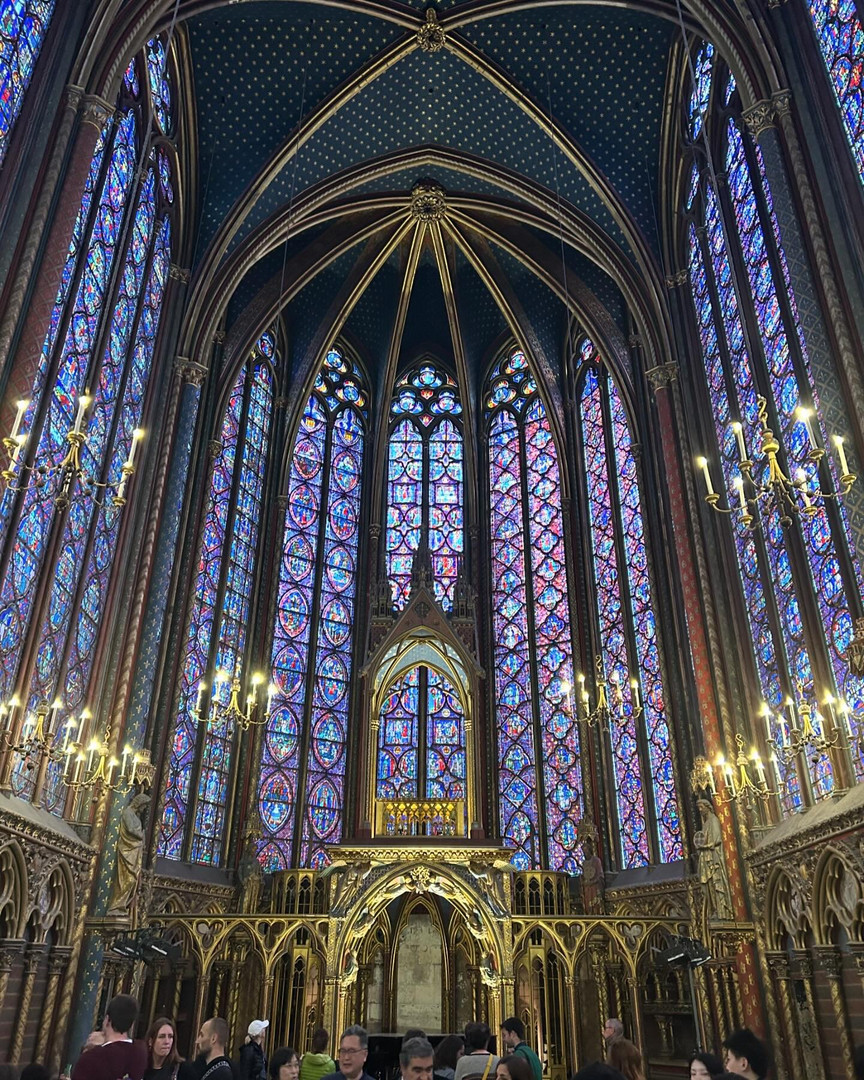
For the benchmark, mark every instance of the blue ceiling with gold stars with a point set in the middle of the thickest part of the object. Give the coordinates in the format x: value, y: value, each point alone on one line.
x: 597, y: 73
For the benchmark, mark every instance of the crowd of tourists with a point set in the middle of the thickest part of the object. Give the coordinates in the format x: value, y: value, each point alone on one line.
x: 113, y: 1053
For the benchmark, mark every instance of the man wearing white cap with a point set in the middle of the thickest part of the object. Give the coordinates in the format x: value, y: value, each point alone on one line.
x: 253, y: 1064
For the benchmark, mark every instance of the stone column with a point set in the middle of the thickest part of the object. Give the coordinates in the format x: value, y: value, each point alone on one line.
x: 58, y: 960
x: 92, y: 114
x: 831, y: 963
x: 788, y: 1049
x: 9, y: 951
x: 635, y: 1009
x: 598, y: 970
x: 704, y: 646
x: 573, y: 1023
x: 32, y: 959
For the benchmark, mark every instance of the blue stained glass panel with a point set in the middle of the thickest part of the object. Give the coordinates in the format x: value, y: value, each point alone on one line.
x: 840, y: 34
x: 23, y: 24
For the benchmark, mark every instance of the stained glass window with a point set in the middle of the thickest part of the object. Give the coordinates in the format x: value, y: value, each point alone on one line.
x: 23, y: 24
x: 425, y: 481
x: 648, y: 825
x: 157, y: 78
x: 840, y: 34
x: 421, y: 739
x: 303, y: 764
x: 202, y: 749
x: 538, y: 740
x: 786, y: 572
x: 111, y: 293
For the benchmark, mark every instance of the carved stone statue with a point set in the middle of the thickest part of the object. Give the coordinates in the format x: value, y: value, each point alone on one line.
x: 593, y: 880
x: 130, y: 854
x: 250, y: 876
x: 712, y: 865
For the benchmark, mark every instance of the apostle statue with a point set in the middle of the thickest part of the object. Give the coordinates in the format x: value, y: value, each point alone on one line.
x: 593, y: 874
x: 713, y: 875
x: 129, y: 857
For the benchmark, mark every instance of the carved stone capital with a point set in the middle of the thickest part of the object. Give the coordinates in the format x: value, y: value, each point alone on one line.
x: 73, y: 96
x: 759, y: 117
x: 778, y: 965
x: 375, y: 532
x: 179, y: 273
x: 831, y: 962
x: 214, y: 447
x: 782, y: 102
x: 190, y: 371
x: 282, y: 503
x: 58, y: 961
x: 431, y: 36
x: 802, y: 967
x: 634, y: 341
x: 219, y: 337
x: 662, y: 376
x: 428, y: 202
x: 9, y: 953
x: 676, y: 280
x: 95, y: 110
x: 281, y: 403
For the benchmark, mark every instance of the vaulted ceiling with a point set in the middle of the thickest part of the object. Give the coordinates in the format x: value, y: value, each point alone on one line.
x: 315, y: 120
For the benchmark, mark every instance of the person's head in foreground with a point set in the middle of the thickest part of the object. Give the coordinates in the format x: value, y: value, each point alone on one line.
x: 161, y: 1041
x: 745, y: 1054
x: 512, y: 1032
x: 613, y: 1029
x: 284, y: 1064
x: 353, y: 1050
x: 705, y: 1066
x: 513, y: 1067
x: 212, y: 1038
x: 417, y: 1059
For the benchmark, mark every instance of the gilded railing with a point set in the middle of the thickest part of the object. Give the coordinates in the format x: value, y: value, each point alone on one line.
x: 420, y: 817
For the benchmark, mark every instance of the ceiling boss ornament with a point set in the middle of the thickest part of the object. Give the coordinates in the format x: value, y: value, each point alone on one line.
x: 428, y: 202
x: 431, y: 36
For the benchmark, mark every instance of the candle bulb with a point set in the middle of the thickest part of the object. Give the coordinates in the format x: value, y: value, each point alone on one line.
x: 806, y: 417
x: 634, y: 686
x: 711, y: 784
x: 83, y: 402
x: 112, y: 765
x: 703, y: 465
x: 801, y: 477
x: 19, y: 416
x: 793, y: 717
x: 79, y: 765
x: 738, y: 428
x: 137, y: 435
x: 56, y: 705
x: 271, y: 693
x: 127, y: 750
x: 200, y: 699
x: 844, y: 712
x: 760, y: 769
x: 841, y: 455
x: 742, y: 498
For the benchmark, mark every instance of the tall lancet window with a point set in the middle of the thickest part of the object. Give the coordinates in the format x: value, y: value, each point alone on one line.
x: 425, y: 481
x: 540, y: 776
x: 648, y: 825
x: 23, y: 24
x: 796, y: 581
x: 840, y: 33
x: 202, y: 752
x: 421, y: 739
x: 302, y: 787
x: 99, y: 346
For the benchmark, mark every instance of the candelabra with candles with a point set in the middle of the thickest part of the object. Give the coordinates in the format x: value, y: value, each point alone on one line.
x: 56, y: 479
x: 805, y: 731
x: 789, y: 496
x: 232, y: 711
x: 38, y: 745
x: 96, y: 765
x: 739, y: 784
x: 610, y: 697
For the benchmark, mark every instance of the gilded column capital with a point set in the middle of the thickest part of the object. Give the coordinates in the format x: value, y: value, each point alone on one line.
x: 778, y: 965
x: 802, y: 967
x: 759, y: 117
x: 95, y: 110
x: 662, y: 376
x: 431, y: 36
x: 190, y: 371
x: 58, y: 961
x: 830, y: 962
x: 9, y: 953
x: 676, y: 280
